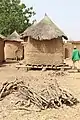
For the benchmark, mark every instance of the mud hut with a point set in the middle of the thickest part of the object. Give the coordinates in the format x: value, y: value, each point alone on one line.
x: 43, y: 43
x: 13, y: 47
x: 1, y: 48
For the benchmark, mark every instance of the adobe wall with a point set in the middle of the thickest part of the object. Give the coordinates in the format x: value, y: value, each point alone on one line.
x: 12, y: 49
x: 1, y: 51
x: 43, y: 52
x: 68, y: 47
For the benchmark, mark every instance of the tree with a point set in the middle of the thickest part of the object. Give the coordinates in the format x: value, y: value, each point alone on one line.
x: 14, y: 15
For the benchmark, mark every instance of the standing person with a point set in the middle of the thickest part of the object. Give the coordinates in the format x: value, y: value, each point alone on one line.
x: 76, y: 58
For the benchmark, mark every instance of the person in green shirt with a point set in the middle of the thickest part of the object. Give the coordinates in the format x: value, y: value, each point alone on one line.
x: 75, y: 58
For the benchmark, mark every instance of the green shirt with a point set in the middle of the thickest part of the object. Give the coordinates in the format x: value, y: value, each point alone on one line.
x: 75, y: 55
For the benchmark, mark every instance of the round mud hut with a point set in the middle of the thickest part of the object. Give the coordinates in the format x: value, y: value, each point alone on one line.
x: 13, y: 47
x: 1, y: 48
x: 43, y: 43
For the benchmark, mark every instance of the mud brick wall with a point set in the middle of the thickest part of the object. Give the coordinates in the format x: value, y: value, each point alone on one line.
x: 10, y: 50
x: 43, y: 52
x: 1, y: 50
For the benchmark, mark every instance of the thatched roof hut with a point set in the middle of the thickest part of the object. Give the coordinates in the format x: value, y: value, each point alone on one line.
x: 44, y: 44
x: 1, y: 48
x: 13, y: 46
x: 44, y: 30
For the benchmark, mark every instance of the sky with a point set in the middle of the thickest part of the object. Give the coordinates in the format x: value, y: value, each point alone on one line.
x: 65, y: 13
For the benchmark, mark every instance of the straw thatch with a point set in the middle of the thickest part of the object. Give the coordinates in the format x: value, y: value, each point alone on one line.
x: 14, y: 37
x: 44, y: 30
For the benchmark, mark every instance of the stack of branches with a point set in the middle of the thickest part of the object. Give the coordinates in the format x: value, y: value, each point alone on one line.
x: 50, y: 97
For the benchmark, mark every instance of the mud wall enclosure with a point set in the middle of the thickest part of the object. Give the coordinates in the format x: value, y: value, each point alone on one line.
x: 1, y: 50
x: 12, y: 49
x: 43, y: 52
x: 68, y: 47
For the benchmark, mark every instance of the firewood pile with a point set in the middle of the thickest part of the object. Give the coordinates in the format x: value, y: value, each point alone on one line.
x: 51, y: 96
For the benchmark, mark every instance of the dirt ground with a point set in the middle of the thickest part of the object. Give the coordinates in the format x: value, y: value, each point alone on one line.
x: 37, y: 80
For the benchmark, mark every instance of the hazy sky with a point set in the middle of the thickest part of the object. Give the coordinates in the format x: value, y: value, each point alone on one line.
x: 65, y: 13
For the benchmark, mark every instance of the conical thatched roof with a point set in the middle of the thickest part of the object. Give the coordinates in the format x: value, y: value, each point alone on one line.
x: 14, y: 37
x: 44, y: 30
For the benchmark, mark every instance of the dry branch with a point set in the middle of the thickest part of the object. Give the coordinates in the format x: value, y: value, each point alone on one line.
x: 51, y: 97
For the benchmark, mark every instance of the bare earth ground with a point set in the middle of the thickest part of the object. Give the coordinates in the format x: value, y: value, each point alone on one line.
x: 37, y: 80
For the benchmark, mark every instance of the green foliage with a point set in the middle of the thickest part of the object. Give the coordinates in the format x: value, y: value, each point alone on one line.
x: 14, y: 16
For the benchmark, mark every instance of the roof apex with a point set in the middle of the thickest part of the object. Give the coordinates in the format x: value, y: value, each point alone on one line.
x: 14, y: 36
x: 46, y: 14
